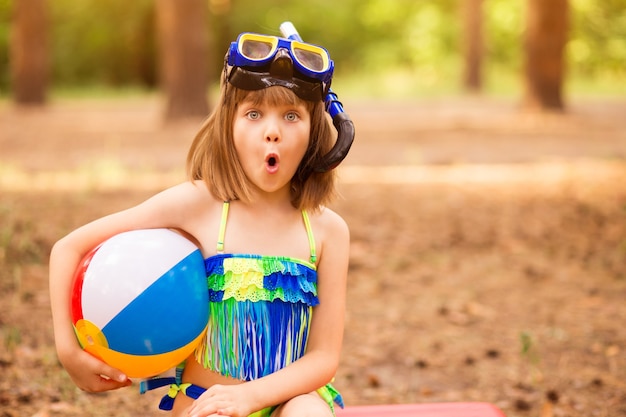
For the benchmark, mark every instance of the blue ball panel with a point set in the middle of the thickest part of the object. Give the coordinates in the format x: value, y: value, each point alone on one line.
x: 167, y: 315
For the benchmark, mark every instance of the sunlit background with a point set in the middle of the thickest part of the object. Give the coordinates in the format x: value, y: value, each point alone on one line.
x: 382, y: 48
x: 488, y: 242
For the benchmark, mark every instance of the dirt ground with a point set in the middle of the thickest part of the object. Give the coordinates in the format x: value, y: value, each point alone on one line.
x: 488, y: 249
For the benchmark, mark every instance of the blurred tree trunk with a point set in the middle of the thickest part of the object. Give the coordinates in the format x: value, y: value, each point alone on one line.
x: 29, y: 52
x: 145, y: 49
x: 545, y: 39
x: 183, y: 48
x: 472, y: 44
x: 219, y: 10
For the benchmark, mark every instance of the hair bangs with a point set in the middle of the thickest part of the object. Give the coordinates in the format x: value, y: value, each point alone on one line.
x: 276, y: 96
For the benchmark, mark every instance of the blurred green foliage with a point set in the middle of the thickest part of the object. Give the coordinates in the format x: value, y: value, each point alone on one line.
x: 598, y: 41
x: 110, y: 42
x: 396, y: 42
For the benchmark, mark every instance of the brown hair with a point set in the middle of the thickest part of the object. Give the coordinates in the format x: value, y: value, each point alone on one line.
x: 213, y: 159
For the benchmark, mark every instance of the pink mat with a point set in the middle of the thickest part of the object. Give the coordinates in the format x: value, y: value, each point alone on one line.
x: 422, y: 410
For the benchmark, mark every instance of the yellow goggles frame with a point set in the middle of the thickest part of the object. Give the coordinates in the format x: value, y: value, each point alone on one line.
x: 292, y: 46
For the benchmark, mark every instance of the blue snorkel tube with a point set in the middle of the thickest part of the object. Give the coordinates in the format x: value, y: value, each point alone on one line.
x: 341, y: 120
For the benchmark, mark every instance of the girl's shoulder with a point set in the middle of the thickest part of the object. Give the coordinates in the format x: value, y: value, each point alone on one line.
x: 193, y: 209
x: 332, y: 237
x: 329, y: 224
x: 192, y: 191
x: 189, y: 198
x: 326, y: 214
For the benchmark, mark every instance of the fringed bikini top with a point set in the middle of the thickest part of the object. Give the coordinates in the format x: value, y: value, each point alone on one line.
x: 260, y: 309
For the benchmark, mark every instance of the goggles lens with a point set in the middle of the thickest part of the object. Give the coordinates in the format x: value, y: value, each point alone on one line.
x: 310, y: 56
x: 255, y: 49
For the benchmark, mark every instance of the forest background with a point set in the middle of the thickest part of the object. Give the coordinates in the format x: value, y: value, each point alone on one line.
x: 400, y: 48
x: 488, y: 256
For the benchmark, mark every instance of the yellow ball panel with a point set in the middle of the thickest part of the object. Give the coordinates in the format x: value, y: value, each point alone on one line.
x: 138, y: 366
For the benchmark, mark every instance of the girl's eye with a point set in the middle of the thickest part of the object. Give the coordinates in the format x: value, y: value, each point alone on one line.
x: 253, y: 115
x: 292, y: 116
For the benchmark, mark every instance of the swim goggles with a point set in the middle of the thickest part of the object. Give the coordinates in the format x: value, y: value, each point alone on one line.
x: 256, y: 61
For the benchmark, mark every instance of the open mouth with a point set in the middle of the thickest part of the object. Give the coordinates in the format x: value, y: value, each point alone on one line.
x: 271, y: 162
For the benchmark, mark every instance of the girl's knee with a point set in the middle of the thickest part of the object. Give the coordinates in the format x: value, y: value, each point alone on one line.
x: 181, y: 406
x: 307, y: 405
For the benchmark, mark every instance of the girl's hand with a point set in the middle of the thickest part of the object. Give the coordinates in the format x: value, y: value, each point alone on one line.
x: 91, y: 374
x: 222, y: 400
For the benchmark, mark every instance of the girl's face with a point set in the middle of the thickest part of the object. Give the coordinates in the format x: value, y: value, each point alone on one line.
x: 271, y: 141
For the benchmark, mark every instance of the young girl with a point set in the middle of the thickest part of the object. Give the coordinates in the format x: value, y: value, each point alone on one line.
x: 276, y: 257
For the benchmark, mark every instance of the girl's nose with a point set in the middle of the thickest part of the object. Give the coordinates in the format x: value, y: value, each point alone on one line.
x: 272, y: 132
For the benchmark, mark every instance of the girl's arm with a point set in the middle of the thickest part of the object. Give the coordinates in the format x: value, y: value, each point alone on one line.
x: 319, y: 365
x: 168, y: 209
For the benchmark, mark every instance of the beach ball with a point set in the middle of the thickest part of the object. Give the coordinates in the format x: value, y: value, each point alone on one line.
x: 140, y: 301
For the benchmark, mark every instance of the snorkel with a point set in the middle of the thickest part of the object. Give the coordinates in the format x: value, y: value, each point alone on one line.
x: 341, y: 120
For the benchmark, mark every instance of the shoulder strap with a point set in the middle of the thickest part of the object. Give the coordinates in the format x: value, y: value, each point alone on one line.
x: 309, y: 232
x: 222, y: 233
